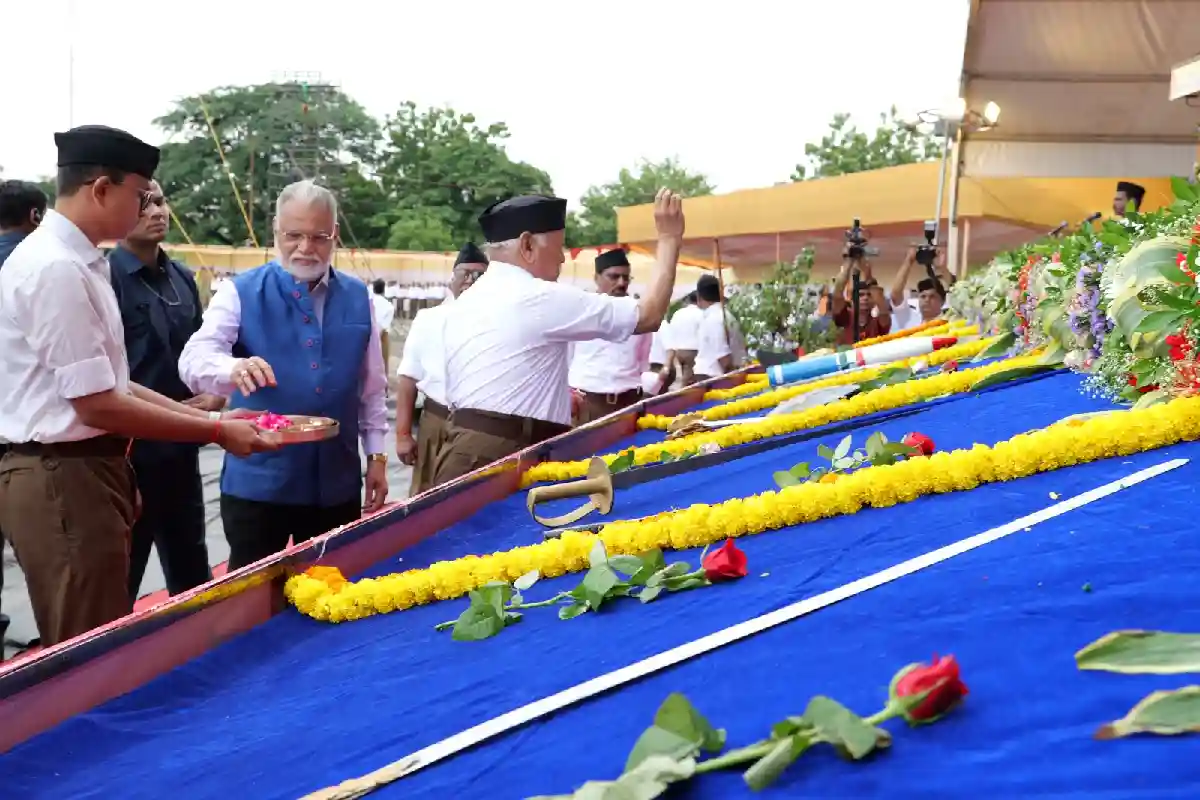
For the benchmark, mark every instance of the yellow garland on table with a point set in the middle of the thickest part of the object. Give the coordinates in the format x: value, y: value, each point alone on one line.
x: 884, y: 398
x: 323, y: 594
x: 958, y: 328
x: 922, y: 329
x: 774, y: 397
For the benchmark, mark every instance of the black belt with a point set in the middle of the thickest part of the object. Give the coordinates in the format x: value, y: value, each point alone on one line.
x: 435, y: 408
x: 106, y: 446
x: 524, y: 430
x: 625, y: 398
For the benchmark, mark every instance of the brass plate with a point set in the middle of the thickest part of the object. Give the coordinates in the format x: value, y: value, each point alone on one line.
x: 304, y: 429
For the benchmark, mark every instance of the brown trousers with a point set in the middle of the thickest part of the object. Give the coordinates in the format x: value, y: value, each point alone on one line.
x: 687, y: 365
x: 68, y: 517
x: 596, y: 406
x: 431, y: 435
x: 474, y: 439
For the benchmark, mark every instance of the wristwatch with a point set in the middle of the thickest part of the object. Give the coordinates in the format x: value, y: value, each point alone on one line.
x: 380, y: 457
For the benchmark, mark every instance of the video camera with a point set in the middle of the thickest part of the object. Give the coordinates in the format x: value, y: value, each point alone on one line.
x: 857, y: 238
x: 927, y: 253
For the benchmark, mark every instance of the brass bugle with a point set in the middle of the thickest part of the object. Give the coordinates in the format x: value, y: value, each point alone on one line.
x: 597, y: 486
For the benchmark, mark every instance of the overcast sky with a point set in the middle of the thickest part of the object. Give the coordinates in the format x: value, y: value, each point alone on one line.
x: 733, y: 89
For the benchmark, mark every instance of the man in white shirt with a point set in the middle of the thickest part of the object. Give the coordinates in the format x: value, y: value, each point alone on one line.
x: 507, y: 340
x: 384, y: 312
x: 685, y: 339
x: 660, y: 356
x: 931, y: 295
x: 296, y: 336
x: 721, y: 347
x: 422, y: 369
x: 608, y: 375
x: 68, y: 410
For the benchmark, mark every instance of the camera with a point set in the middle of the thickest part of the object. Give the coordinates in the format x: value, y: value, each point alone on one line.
x: 856, y: 237
x: 927, y: 253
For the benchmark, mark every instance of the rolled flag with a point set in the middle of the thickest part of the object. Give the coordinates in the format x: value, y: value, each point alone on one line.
x: 874, y: 355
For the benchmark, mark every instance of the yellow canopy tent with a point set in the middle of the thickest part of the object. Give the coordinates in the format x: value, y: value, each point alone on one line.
x: 749, y: 231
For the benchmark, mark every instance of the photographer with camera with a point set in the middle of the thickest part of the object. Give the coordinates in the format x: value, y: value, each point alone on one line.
x: 860, y: 311
x: 931, y: 290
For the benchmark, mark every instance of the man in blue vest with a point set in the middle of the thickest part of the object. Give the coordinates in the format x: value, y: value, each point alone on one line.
x: 296, y: 336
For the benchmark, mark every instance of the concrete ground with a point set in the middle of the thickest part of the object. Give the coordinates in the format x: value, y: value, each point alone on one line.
x: 15, y: 602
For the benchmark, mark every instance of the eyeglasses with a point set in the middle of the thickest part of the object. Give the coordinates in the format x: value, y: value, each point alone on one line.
x: 470, y: 275
x: 317, y: 239
x: 144, y: 195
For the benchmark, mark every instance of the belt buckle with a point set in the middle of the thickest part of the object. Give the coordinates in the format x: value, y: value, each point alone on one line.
x: 612, y: 398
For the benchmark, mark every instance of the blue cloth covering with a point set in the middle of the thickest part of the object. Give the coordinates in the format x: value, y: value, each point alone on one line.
x: 296, y: 705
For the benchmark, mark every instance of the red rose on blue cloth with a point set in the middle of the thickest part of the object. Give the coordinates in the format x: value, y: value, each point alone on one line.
x: 919, y: 441
x: 725, y: 564
x: 939, y: 681
x: 950, y: 366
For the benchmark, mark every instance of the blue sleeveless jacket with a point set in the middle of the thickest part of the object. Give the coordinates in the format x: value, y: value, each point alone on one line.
x: 317, y: 370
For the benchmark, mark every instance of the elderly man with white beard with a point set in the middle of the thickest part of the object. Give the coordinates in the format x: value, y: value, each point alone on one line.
x: 296, y: 336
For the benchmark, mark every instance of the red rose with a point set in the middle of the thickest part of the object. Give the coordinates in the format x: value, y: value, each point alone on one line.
x: 919, y: 441
x: 724, y: 564
x: 938, y: 681
x: 950, y: 366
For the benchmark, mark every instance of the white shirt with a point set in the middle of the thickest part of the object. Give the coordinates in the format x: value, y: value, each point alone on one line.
x: 206, y: 365
x: 384, y: 311
x: 61, y: 335
x: 685, y: 328
x: 424, y: 360
x: 660, y: 343
x: 506, y: 341
x: 602, y: 367
x: 714, y: 345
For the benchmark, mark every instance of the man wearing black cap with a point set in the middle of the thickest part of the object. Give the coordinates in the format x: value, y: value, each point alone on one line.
x: 608, y: 375
x: 507, y: 341
x: 1129, y: 197
x: 67, y: 406
x: 422, y: 369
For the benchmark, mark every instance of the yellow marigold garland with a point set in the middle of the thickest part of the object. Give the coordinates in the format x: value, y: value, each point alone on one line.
x: 924, y: 329
x: 326, y: 596
x: 884, y: 398
x: 772, y: 398
x: 931, y: 328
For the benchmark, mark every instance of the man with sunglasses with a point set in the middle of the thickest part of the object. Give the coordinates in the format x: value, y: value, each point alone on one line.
x: 160, y: 307
x: 421, y: 369
x: 608, y: 375
x: 67, y: 405
x: 296, y: 336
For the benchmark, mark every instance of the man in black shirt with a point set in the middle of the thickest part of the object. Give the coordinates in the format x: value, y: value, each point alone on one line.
x: 160, y: 307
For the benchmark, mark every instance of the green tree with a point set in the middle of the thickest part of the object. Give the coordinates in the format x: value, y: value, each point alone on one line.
x: 781, y: 313
x: 846, y: 149
x: 439, y: 169
x: 271, y: 135
x: 598, y: 217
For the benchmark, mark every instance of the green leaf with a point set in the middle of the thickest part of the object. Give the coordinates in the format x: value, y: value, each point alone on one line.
x: 825, y: 452
x: 679, y: 731
x: 1004, y: 376
x: 1166, y: 713
x: 648, y: 781
x: 621, y: 463
x: 479, y: 621
x: 626, y: 565
x: 786, y: 479
x: 1004, y: 342
x: 1184, y: 300
x: 572, y: 611
x: 671, y: 571
x: 685, y: 582
x: 1053, y: 357
x: 598, y: 556
x: 875, y: 443
x: 652, y: 562
x: 1183, y: 189
x: 888, y: 377
x: 801, y: 471
x: 853, y: 736
x: 1142, y: 653
x: 596, y: 585
x: 649, y: 593
x: 842, y: 449
x: 1152, y: 399
x: 1159, y: 322
x: 493, y: 593
x: 767, y: 769
x: 526, y: 581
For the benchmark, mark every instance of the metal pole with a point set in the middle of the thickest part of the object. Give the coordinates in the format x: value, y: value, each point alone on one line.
x: 955, y: 179
x: 71, y: 64
x: 937, y: 214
